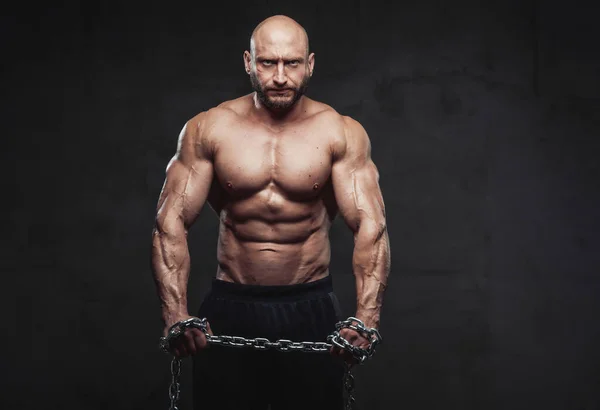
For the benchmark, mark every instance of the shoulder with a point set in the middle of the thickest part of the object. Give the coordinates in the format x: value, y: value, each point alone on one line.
x: 225, y: 112
x: 322, y: 112
x: 334, y: 118
x: 348, y: 136
x: 199, y: 131
x: 351, y: 139
x: 204, y: 122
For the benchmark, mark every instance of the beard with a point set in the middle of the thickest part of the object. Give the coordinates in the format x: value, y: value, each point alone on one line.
x: 278, y: 104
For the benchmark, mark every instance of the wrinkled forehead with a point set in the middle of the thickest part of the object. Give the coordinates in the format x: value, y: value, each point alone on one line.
x: 278, y: 42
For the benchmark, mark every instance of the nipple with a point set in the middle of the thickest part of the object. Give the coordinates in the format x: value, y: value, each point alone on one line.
x: 229, y: 185
x: 316, y: 186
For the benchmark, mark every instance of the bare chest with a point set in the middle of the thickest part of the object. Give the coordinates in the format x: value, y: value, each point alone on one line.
x: 295, y: 161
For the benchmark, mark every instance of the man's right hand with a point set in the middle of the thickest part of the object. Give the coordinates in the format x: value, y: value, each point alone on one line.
x: 190, y: 341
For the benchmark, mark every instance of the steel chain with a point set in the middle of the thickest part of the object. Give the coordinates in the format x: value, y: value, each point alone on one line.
x: 282, y: 345
x: 174, y: 388
x: 349, y: 387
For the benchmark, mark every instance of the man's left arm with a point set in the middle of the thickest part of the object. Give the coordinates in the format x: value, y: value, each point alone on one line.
x: 360, y: 202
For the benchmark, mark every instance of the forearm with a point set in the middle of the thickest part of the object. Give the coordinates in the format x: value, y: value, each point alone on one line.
x: 171, y: 269
x: 371, y: 266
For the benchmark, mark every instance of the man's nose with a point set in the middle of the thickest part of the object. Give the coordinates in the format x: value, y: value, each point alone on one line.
x: 280, y: 77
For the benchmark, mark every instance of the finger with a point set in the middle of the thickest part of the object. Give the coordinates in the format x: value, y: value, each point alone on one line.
x: 183, y: 352
x: 339, y: 353
x: 336, y: 350
x: 210, y: 332
x: 356, y: 339
x: 349, y: 334
x: 199, y: 339
x: 190, y: 344
x: 336, y: 356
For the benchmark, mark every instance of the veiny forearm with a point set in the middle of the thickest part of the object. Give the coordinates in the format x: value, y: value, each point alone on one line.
x: 371, y: 264
x: 171, y: 269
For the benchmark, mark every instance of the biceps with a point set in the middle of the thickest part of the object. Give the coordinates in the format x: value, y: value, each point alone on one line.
x: 184, y: 193
x: 358, y: 194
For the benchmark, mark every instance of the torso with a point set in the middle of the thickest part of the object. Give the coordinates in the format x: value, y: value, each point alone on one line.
x: 272, y: 191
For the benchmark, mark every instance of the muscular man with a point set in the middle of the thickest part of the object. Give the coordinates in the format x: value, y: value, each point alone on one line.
x: 276, y: 167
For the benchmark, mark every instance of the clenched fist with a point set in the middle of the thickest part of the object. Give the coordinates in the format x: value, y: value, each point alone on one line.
x: 190, y: 341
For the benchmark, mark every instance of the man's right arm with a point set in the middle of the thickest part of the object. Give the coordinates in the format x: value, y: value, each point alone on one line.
x: 186, y: 187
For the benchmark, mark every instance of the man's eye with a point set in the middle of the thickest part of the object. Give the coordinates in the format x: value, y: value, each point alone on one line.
x: 267, y: 62
x: 294, y: 62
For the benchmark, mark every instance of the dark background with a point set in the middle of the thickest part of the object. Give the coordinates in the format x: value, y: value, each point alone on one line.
x: 484, y: 121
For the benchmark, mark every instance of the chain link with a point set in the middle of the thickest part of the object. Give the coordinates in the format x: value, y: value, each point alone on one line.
x: 282, y: 345
x: 349, y: 387
x: 174, y: 388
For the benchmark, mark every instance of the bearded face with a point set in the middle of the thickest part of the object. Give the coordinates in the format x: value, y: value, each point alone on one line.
x: 279, y: 63
x: 279, y: 98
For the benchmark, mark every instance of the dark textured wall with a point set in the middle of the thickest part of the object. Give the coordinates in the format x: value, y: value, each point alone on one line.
x: 483, y: 120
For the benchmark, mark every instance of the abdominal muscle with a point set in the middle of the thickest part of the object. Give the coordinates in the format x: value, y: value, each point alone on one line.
x: 281, y: 250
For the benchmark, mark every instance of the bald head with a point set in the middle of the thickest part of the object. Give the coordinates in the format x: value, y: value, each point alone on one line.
x: 278, y: 31
x: 279, y: 63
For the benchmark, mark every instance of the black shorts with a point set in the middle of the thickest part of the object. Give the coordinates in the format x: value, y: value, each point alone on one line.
x: 243, y: 378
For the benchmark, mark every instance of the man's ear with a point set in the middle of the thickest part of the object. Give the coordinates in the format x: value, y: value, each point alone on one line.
x: 247, y: 61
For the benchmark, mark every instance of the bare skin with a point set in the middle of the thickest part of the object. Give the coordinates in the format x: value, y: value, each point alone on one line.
x: 276, y: 169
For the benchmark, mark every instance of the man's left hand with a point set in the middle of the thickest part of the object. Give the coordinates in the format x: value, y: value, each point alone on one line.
x: 355, y: 339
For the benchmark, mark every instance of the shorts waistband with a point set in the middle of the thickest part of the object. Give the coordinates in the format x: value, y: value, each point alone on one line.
x: 271, y: 293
